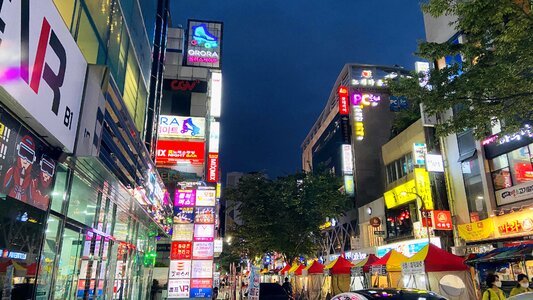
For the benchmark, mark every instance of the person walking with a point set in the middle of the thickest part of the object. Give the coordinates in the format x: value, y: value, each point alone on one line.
x: 522, y: 286
x: 287, y: 287
x: 493, y: 291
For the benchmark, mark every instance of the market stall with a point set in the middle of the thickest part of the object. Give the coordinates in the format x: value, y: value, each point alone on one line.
x: 437, y: 270
x: 386, y: 271
x: 340, y: 270
x: 298, y: 279
x: 361, y: 273
x: 314, y: 274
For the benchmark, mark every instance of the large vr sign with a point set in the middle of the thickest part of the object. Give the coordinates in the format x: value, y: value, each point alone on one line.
x: 42, y: 68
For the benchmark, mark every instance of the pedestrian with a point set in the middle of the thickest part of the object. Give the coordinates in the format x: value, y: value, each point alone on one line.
x: 493, y: 291
x: 522, y: 286
x: 287, y: 287
x: 215, y: 293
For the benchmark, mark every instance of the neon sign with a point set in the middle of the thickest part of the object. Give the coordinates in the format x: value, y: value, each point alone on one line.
x: 365, y: 99
x: 344, y: 108
x: 204, y: 44
x: 526, y: 131
x: 202, y: 37
x: 358, y: 124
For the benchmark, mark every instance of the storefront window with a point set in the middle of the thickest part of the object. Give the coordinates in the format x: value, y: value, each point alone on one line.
x: 48, y: 258
x: 400, y: 220
x: 88, y: 41
x: 60, y: 186
x: 100, y: 12
x: 474, y: 188
x: 501, y: 179
x: 520, y: 164
x: 66, y: 10
x: 83, y: 200
x: 67, y: 272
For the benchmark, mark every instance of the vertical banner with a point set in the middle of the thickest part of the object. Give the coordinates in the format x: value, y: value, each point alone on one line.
x: 212, y: 167
x: 253, y: 287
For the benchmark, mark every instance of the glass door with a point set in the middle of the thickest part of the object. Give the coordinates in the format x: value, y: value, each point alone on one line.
x: 68, y: 267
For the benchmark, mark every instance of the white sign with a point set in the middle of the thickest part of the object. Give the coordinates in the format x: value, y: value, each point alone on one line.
x: 206, y: 197
x: 434, y: 163
x: 216, y: 94
x: 181, y: 127
x: 204, y: 232
x: 179, y: 288
x: 182, y: 232
x: 202, y: 250
x: 179, y: 269
x: 347, y: 159
x: 42, y: 68
x: 516, y: 193
x: 214, y: 137
x: 419, y: 153
x: 219, y: 245
x: 202, y: 269
x: 413, y: 268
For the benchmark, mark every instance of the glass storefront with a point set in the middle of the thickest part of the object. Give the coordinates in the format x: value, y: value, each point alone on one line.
x: 512, y: 168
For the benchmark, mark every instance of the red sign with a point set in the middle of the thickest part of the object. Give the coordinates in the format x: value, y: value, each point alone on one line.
x: 344, y: 106
x: 202, y: 283
x: 212, y: 168
x: 426, y: 218
x: 170, y: 152
x: 443, y: 220
x: 181, y: 250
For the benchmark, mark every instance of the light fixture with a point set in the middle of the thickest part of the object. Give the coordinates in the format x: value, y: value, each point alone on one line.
x: 369, y: 211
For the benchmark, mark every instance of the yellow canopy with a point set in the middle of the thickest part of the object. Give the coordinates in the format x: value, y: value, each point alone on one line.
x: 293, y: 268
x: 331, y: 264
x: 264, y: 271
x: 361, y: 263
x: 394, y: 264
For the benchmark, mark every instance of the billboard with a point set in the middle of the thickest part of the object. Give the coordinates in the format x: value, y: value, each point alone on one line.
x: 172, y: 152
x: 179, y: 269
x: 212, y: 167
x: 180, y: 250
x: 43, y: 70
x: 178, y: 288
x: 206, y: 197
x: 204, y: 232
x: 182, y: 232
x: 193, y: 86
x: 216, y: 95
x: 202, y: 250
x: 185, y: 198
x: 203, y: 45
x: 202, y: 269
x: 204, y: 215
x: 183, y: 215
x: 344, y: 105
x: 175, y: 127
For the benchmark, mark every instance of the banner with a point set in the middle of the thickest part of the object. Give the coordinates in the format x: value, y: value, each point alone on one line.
x: 253, y: 287
x: 477, y: 231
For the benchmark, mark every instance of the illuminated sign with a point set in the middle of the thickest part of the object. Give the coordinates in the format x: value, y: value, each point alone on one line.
x: 366, y: 74
x: 171, y: 152
x: 218, y: 190
x: 419, y: 153
x: 219, y: 245
x: 180, y: 250
x: 206, y: 197
x: 365, y: 99
x: 202, y: 250
x: 515, y: 193
x: 181, y: 127
x: 366, y: 79
x: 202, y: 269
x: 407, y: 248
x: 525, y: 132
x: 194, y: 86
x: 359, y: 126
x: 204, y: 215
x: 182, y: 232
x: 434, y: 163
x: 204, y: 232
x: 216, y: 94
x: 347, y: 159
x: 443, y: 220
x: 214, y: 137
x: 178, y: 288
x: 405, y: 193
x: 203, y: 44
x: 179, y: 269
x: 212, y: 167
x: 344, y: 107
x: 349, y: 188
x: 183, y: 215
x: 185, y: 198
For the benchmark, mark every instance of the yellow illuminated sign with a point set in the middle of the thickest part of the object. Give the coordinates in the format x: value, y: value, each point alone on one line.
x: 218, y: 190
x: 405, y: 192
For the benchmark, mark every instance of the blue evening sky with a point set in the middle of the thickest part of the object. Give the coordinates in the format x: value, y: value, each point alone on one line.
x: 280, y: 59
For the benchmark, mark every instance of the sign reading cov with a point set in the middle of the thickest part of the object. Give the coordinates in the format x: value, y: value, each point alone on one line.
x: 42, y: 69
x: 203, y: 45
x: 181, y: 127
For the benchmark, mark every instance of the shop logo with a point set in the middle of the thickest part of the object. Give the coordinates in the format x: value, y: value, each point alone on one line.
x: 202, y: 37
x: 183, y: 85
x: 213, y: 167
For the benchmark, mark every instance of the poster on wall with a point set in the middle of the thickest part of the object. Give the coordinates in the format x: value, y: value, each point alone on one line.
x: 206, y: 197
x: 204, y: 215
x: 179, y: 269
x: 182, y: 232
x: 202, y: 250
x: 26, y: 168
x: 180, y: 250
x: 202, y: 269
x: 204, y: 232
x: 178, y: 288
x: 203, y: 45
x: 183, y: 215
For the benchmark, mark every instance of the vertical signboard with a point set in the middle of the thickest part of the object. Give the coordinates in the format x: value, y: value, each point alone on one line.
x: 214, y: 137
x: 203, y: 44
x: 216, y: 94
x: 344, y: 105
x: 178, y: 288
x: 419, y: 153
x: 212, y: 167
x: 347, y: 159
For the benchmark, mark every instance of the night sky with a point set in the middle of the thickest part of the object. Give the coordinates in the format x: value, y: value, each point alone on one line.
x: 280, y: 59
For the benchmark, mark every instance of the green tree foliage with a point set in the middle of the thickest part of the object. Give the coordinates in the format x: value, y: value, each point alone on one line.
x: 284, y: 215
x: 495, y: 80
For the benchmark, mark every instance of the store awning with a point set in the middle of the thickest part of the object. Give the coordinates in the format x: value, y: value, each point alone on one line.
x: 339, y: 266
x: 366, y: 262
x: 392, y: 260
x: 285, y: 269
x: 298, y: 271
x: 315, y: 268
x: 515, y: 253
x: 438, y: 260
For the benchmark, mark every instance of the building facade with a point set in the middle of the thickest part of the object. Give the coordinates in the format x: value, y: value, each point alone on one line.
x: 81, y: 198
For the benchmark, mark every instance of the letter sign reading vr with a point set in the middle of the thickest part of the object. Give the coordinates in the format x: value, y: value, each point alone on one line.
x: 212, y: 168
x: 43, y: 69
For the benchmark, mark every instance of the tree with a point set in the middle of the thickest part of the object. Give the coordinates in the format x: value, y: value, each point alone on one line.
x: 284, y: 215
x: 492, y: 76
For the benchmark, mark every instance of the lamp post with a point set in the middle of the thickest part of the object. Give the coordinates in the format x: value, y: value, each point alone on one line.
x: 423, y: 208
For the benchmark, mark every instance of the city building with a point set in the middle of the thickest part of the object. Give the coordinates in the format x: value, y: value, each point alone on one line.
x: 347, y: 139
x: 82, y: 202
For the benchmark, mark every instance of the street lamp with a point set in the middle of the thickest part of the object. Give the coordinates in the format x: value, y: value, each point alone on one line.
x: 423, y: 208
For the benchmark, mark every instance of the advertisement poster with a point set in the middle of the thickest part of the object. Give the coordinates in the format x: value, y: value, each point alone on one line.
x: 253, y: 286
x: 172, y: 127
x: 204, y: 215
x: 203, y: 45
x: 182, y: 232
x: 202, y: 250
x: 26, y: 169
x: 178, y: 288
x: 204, y: 232
x: 179, y: 269
x: 202, y: 269
x: 185, y: 198
x: 172, y: 152
x: 180, y: 250
x: 206, y: 197
x: 183, y: 215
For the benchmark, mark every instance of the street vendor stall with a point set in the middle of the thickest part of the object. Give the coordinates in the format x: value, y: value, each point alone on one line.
x: 297, y: 279
x: 314, y: 274
x: 386, y: 271
x: 361, y: 273
x: 340, y: 270
x: 437, y: 270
